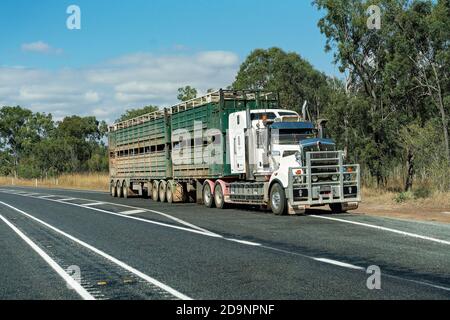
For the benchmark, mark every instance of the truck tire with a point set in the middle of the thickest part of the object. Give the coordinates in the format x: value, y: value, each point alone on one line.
x: 162, y: 191
x: 125, y: 190
x: 155, y: 191
x: 337, y: 208
x: 208, y: 198
x: 113, y: 189
x: 278, y: 202
x: 119, y: 190
x: 219, y: 198
x: 169, y: 191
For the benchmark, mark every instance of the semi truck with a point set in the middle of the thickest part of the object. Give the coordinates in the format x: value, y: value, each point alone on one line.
x: 232, y: 147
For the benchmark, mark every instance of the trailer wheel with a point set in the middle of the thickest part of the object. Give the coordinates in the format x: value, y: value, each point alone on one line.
x: 208, y: 199
x: 219, y: 198
x: 169, y: 192
x: 155, y: 190
x: 119, y: 190
x: 113, y: 189
x: 162, y: 191
x: 337, y: 208
x: 125, y: 190
x: 278, y: 199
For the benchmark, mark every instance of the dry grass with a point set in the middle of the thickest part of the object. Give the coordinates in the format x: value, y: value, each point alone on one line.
x: 94, y: 181
x: 379, y: 202
x: 382, y: 197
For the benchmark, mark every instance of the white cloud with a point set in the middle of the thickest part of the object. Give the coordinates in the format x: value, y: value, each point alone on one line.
x: 107, y: 90
x: 40, y: 47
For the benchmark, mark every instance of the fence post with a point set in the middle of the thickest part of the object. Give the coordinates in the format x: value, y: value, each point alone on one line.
x: 36, y: 183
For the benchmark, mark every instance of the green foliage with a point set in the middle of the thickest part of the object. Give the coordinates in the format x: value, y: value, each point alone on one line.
x: 422, y: 192
x: 393, y: 109
x: 33, y: 146
x: 186, y: 93
x: 403, y: 197
x: 134, y: 113
x: 294, y: 78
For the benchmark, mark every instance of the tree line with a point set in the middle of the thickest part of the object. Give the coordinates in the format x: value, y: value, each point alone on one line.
x: 389, y: 111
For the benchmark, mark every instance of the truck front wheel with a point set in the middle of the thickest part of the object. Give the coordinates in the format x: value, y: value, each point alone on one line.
x: 278, y: 199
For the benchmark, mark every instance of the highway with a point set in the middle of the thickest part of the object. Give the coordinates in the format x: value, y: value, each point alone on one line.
x: 69, y: 244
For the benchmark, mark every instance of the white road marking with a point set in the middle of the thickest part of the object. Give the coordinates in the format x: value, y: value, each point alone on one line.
x: 409, y: 234
x: 121, y: 264
x: 59, y: 270
x: 43, y: 197
x: 193, y: 228
x: 132, y: 212
x: 67, y: 199
x: 249, y: 243
x: 168, y: 216
x: 338, y: 263
x: 211, y: 234
x: 92, y: 204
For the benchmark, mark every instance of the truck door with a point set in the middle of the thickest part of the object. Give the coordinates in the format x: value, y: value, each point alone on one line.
x: 237, y: 125
x: 239, y: 151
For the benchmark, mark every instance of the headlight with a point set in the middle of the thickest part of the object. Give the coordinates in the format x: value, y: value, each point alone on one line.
x: 298, y: 156
x: 315, y: 178
x: 335, y: 177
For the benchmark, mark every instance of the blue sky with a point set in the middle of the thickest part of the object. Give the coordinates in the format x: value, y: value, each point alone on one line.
x: 119, y: 37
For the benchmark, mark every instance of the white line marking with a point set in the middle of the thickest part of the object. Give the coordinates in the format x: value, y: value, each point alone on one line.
x: 92, y: 204
x: 180, y: 221
x: 43, y: 197
x: 249, y: 243
x: 409, y: 234
x: 121, y: 264
x: 197, y: 230
x: 67, y: 199
x: 132, y: 212
x: 59, y: 270
x: 61, y: 189
x: 338, y: 263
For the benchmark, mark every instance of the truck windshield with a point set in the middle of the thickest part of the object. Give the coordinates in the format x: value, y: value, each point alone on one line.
x: 292, y: 136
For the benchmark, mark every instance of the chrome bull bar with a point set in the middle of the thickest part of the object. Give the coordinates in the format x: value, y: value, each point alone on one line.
x: 334, y: 181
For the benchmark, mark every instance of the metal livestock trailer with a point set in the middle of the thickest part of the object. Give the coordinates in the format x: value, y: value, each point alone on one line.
x: 140, y: 149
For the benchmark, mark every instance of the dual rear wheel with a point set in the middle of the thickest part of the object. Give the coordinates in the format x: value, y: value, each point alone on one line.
x: 211, y: 199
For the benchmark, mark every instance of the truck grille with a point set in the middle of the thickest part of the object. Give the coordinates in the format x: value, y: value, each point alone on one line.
x: 323, y: 163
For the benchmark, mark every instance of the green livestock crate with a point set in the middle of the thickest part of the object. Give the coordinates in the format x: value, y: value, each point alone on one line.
x: 141, y: 148
x: 212, y: 111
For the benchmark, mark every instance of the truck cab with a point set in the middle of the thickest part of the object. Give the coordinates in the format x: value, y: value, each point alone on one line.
x: 298, y: 167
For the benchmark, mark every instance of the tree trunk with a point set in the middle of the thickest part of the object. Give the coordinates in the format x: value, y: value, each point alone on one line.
x: 440, y: 104
x: 410, y: 170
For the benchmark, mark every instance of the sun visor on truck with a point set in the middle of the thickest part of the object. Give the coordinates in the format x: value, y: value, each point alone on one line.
x: 314, y: 141
x: 292, y: 125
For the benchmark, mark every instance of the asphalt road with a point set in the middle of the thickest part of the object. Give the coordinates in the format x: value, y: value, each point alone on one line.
x: 110, y: 248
